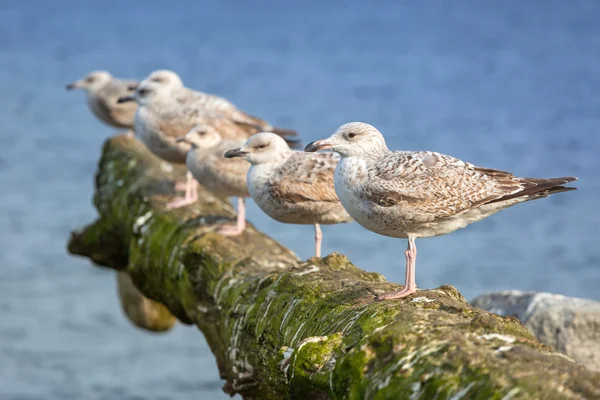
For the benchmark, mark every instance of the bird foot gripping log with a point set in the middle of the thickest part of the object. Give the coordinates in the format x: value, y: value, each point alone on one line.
x: 280, y: 328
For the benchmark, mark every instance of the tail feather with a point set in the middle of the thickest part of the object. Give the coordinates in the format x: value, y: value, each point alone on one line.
x: 293, y: 143
x: 284, y: 132
x: 288, y: 135
x: 537, y: 188
x: 263, y: 125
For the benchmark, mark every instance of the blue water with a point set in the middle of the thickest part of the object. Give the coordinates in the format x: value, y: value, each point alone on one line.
x: 511, y: 85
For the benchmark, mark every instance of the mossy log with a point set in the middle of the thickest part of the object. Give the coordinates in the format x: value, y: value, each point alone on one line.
x: 284, y: 328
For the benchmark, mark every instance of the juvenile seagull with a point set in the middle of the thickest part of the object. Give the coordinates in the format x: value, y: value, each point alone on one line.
x: 291, y: 186
x: 210, y: 102
x: 103, y: 92
x: 418, y: 194
x: 225, y: 177
x: 160, y: 120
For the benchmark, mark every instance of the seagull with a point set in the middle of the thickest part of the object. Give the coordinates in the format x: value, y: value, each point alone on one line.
x: 224, y: 177
x: 292, y: 186
x: 103, y: 92
x: 172, y: 81
x: 160, y: 120
x: 404, y: 194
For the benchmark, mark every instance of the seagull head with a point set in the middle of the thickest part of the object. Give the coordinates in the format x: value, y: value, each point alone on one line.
x: 166, y: 78
x: 201, y: 136
x: 262, y: 148
x: 92, y: 82
x: 146, y: 93
x: 354, y: 139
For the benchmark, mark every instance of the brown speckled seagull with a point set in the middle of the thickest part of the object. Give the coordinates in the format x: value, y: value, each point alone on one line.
x: 160, y: 120
x: 291, y: 186
x: 103, y: 92
x: 210, y: 102
x: 225, y: 177
x: 411, y: 195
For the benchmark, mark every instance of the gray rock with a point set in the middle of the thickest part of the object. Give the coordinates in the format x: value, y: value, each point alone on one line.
x: 568, y: 324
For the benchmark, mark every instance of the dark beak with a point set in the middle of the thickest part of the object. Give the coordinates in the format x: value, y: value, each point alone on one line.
x: 318, y: 145
x: 125, y: 99
x: 235, y: 153
x: 71, y: 86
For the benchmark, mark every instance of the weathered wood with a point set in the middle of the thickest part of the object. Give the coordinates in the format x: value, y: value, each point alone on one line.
x: 283, y: 328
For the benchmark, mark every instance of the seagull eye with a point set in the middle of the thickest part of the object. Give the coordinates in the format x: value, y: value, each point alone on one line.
x: 159, y: 80
x: 143, y: 92
x: 89, y: 79
x: 261, y: 146
x: 351, y: 135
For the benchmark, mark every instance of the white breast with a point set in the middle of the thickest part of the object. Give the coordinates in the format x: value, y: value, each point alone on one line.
x: 348, y: 180
x: 257, y: 179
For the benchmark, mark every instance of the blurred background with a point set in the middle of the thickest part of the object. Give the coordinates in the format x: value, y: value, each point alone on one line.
x: 510, y: 85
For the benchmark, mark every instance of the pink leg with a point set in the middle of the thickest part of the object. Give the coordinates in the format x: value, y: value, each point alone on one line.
x: 181, y: 186
x: 191, y: 194
x: 238, y: 228
x: 410, y: 285
x: 318, y: 240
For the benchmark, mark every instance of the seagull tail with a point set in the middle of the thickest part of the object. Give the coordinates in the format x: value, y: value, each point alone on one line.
x: 288, y: 135
x: 284, y: 132
x: 538, y: 188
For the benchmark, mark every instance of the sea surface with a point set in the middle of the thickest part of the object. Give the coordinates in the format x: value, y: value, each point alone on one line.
x: 511, y: 85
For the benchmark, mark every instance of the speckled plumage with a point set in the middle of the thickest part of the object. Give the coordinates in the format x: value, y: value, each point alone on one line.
x: 297, y: 188
x: 423, y: 194
x: 160, y: 120
x: 210, y: 102
x: 291, y: 186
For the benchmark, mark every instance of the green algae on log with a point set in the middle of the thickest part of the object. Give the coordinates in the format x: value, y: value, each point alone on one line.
x: 283, y: 328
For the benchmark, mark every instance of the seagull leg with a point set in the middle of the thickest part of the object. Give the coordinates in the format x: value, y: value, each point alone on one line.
x: 180, y: 186
x: 410, y: 285
x: 234, y: 230
x: 191, y: 194
x: 318, y: 239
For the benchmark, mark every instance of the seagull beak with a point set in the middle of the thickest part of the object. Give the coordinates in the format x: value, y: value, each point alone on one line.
x: 324, y: 144
x: 125, y: 99
x: 182, y: 139
x: 235, y: 153
x: 73, y: 85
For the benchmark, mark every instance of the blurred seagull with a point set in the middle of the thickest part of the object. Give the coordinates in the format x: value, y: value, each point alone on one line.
x: 103, y: 92
x: 224, y: 177
x: 210, y: 102
x: 160, y: 120
x: 419, y: 194
x: 291, y: 186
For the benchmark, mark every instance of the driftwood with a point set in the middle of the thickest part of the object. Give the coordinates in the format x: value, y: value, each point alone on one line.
x: 284, y: 328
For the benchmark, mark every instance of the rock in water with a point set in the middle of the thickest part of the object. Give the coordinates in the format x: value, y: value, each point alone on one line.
x: 569, y: 324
